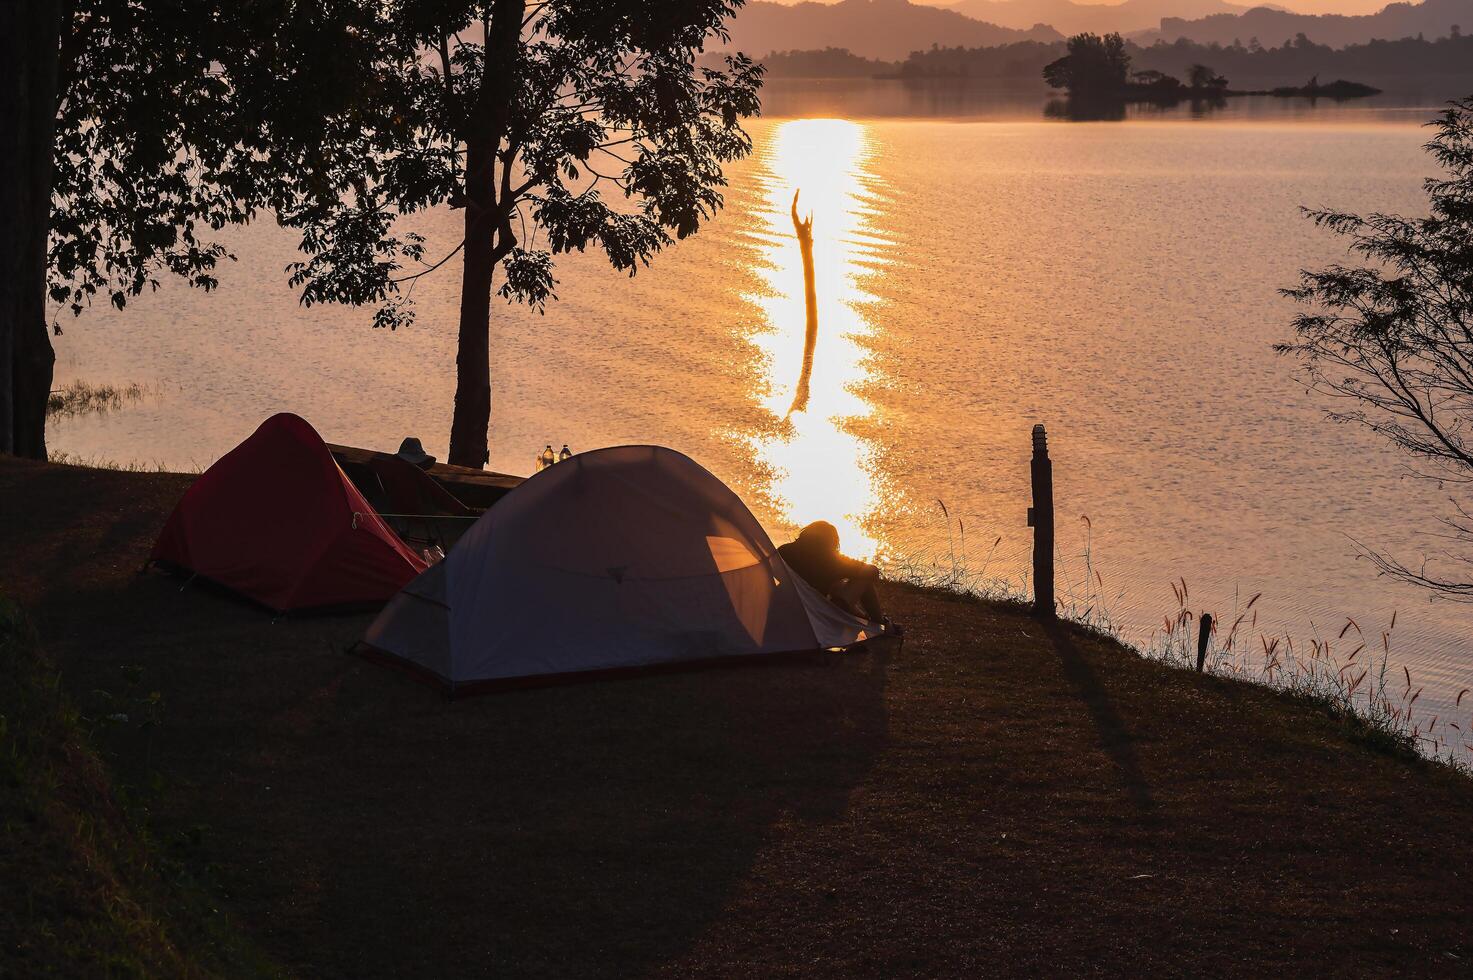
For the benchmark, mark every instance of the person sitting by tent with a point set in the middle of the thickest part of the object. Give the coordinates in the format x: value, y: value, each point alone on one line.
x: 847, y: 582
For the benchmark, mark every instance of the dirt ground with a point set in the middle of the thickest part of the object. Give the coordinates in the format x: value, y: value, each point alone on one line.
x: 994, y: 798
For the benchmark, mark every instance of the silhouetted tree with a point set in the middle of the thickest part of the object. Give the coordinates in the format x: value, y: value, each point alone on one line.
x: 523, y: 113
x: 30, y: 34
x: 826, y: 63
x: 140, y: 135
x: 1155, y: 86
x: 1394, y: 337
x: 1094, y: 66
x: 1200, y: 76
x: 1406, y: 56
x: 338, y: 116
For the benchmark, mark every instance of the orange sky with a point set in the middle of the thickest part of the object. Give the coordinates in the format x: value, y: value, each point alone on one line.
x: 1301, y: 6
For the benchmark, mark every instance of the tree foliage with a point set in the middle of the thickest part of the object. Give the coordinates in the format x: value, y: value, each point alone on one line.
x: 584, y: 107
x: 1393, y: 336
x: 1094, y: 65
x: 128, y: 197
x: 1025, y: 59
x: 555, y: 124
x: 177, y: 120
x: 1201, y: 76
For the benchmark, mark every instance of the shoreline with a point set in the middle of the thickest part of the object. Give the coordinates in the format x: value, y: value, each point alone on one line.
x: 1037, y: 777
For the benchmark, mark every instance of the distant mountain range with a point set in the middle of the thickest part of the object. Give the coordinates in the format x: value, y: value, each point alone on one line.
x: 889, y: 30
x: 885, y: 29
x: 1069, y: 17
x: 1433, y: 18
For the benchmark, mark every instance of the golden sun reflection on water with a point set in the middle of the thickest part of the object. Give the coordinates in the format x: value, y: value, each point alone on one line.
x: 820, y: 469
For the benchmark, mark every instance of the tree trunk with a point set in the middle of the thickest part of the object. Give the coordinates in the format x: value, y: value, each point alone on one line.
x: 468, y: 429
x: 32, y: 369
x: 488, y: 233
x: 30, y: 41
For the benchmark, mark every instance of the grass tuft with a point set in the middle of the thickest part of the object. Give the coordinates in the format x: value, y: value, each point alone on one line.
x: 82, y: 398
x: 1359, y: 689
x: 1377, y: 704
x: 63, y: 458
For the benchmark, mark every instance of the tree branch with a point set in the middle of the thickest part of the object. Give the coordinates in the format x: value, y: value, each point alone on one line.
x: 424, y: 272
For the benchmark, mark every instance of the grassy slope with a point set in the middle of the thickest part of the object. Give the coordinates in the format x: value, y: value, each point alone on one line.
x: 85, y: 893
x: 995, y: 796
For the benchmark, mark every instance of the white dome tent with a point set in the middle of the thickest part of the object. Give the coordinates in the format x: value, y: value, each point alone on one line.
x: 618, y: 558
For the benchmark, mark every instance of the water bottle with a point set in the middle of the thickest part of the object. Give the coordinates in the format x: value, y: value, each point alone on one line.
x: 565, y: 454
x: 547, y: 458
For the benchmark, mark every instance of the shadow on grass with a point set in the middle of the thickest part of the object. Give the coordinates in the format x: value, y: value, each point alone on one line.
x: 1115, y: 736
x: 359, y: 824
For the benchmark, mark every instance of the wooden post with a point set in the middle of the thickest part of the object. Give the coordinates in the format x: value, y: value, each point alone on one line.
x: 804, y: 230
x: 1203, y: 635
x: 1041, y: 519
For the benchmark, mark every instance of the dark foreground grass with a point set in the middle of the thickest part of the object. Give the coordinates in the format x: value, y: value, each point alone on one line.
x: 995, y: 798
x: 85, y: 892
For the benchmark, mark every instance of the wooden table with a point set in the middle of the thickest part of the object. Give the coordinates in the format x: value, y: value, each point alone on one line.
x: 473, y: 487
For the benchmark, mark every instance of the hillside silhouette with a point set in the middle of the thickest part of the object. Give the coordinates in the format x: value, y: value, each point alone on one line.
x: 887, y: 29
x: 1432, y: 18
x: 1297, y: 60
x: 824, y: 63
x: 1069, y: 17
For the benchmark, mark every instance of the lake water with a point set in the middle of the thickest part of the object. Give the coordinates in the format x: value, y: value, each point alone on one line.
x: 981, y: 267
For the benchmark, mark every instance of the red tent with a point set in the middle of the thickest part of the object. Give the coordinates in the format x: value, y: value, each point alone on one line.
x: 276, y: 520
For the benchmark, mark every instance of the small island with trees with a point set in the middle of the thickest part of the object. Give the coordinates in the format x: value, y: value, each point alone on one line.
x: 1097, y: 69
